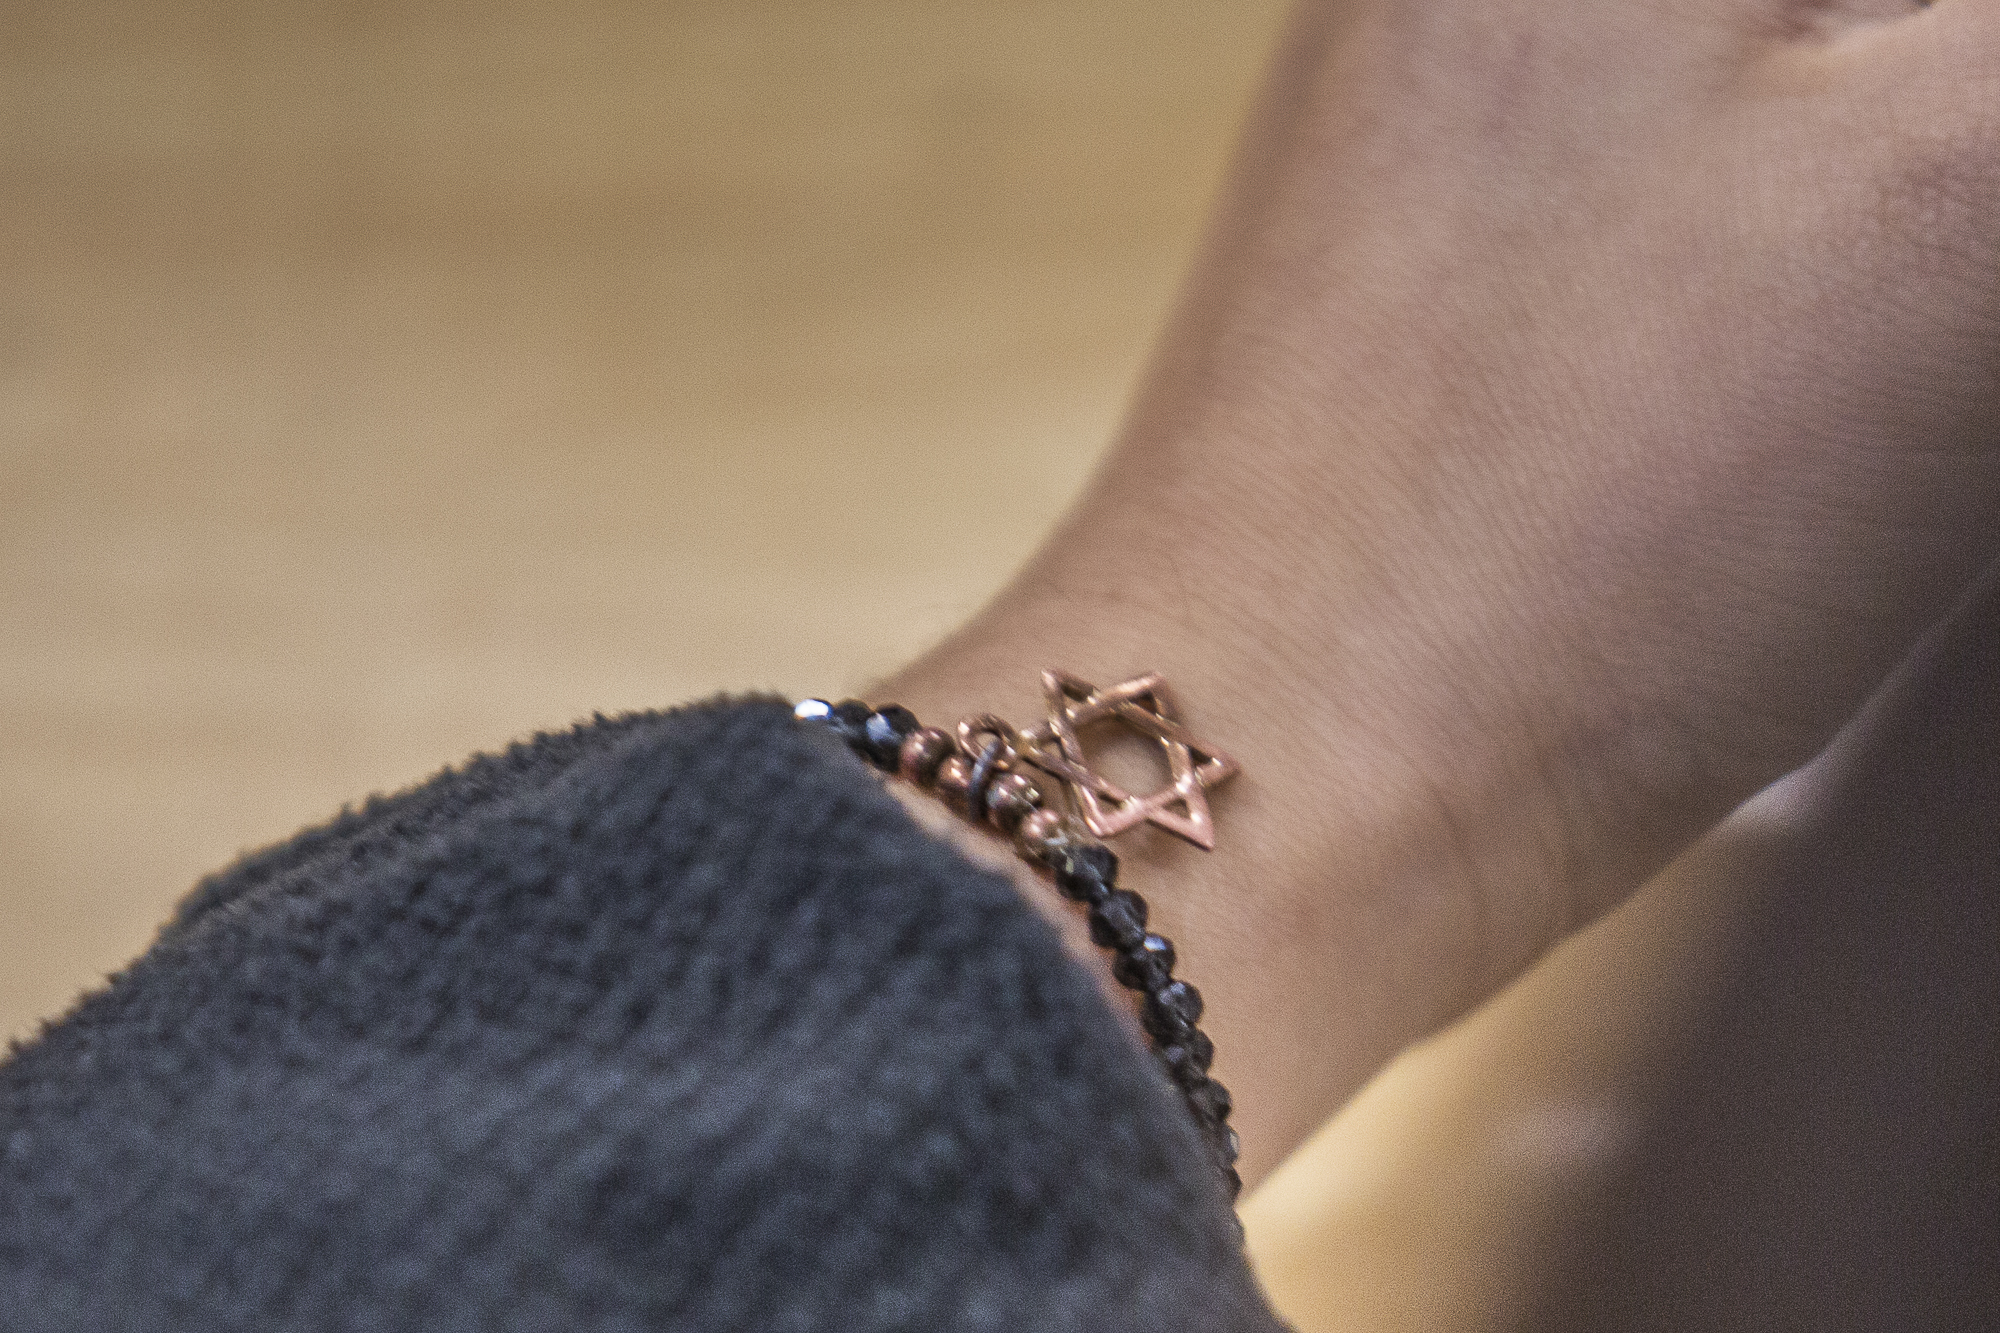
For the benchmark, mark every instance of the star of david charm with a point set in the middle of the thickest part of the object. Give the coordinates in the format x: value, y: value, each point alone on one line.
x: 1142, y: 704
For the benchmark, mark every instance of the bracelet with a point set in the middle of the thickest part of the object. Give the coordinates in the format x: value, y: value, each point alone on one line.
x: 980, y: 771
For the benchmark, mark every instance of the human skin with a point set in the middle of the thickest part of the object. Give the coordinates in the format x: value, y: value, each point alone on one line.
x: 1575, y: 412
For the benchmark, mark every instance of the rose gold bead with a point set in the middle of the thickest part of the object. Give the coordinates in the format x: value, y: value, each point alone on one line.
x: 1038, y: 834
x: 1010, y: 798
x: 953, y: 781
x: 923, y: 750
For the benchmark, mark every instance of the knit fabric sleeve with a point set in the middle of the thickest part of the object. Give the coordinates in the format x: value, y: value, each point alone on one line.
x: 672, y: 1022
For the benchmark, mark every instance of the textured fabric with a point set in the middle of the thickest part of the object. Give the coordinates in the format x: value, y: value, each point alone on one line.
x: 672, y: 1022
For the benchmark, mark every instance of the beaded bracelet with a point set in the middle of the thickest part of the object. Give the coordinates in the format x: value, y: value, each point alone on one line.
x: 978, y: 772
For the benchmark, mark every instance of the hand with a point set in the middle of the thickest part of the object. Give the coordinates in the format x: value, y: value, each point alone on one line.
x: 1576, y: 412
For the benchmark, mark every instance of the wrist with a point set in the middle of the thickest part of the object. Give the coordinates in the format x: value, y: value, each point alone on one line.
x: 1432, y: 791
x: 1334, y: 921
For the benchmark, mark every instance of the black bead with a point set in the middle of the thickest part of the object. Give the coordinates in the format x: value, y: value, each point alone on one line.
x: 985, y: 768
x: 1233, y: 1181
x: 1146, y: 968
x: 849, y: 721
x: 1089, y: 892
x: 813, y: 710
x: 1227, y: 1146
x: 1172, y: 1010
x: 1187, y: 1061
x: 882, y: 735
x: 1087, y: 872
x: 1201, y: 1051
x: 1210, y: 1102
x: 1050, y: 851
x: 1180, y: 1068
x: 1119, y: 922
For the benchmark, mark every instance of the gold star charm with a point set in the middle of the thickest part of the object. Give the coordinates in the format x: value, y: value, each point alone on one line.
x: 1143, y: 705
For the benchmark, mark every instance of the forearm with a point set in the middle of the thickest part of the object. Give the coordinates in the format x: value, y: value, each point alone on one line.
x: 1406, y: 832
x: 1505, y: 500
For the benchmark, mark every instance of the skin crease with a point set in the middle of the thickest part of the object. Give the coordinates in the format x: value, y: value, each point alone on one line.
x: 1575, y: 412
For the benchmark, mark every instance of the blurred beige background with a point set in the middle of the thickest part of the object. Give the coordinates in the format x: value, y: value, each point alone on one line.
x: 379, y: 383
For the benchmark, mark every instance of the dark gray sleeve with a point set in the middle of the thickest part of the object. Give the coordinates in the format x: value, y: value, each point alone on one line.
x: 674, y: 1022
